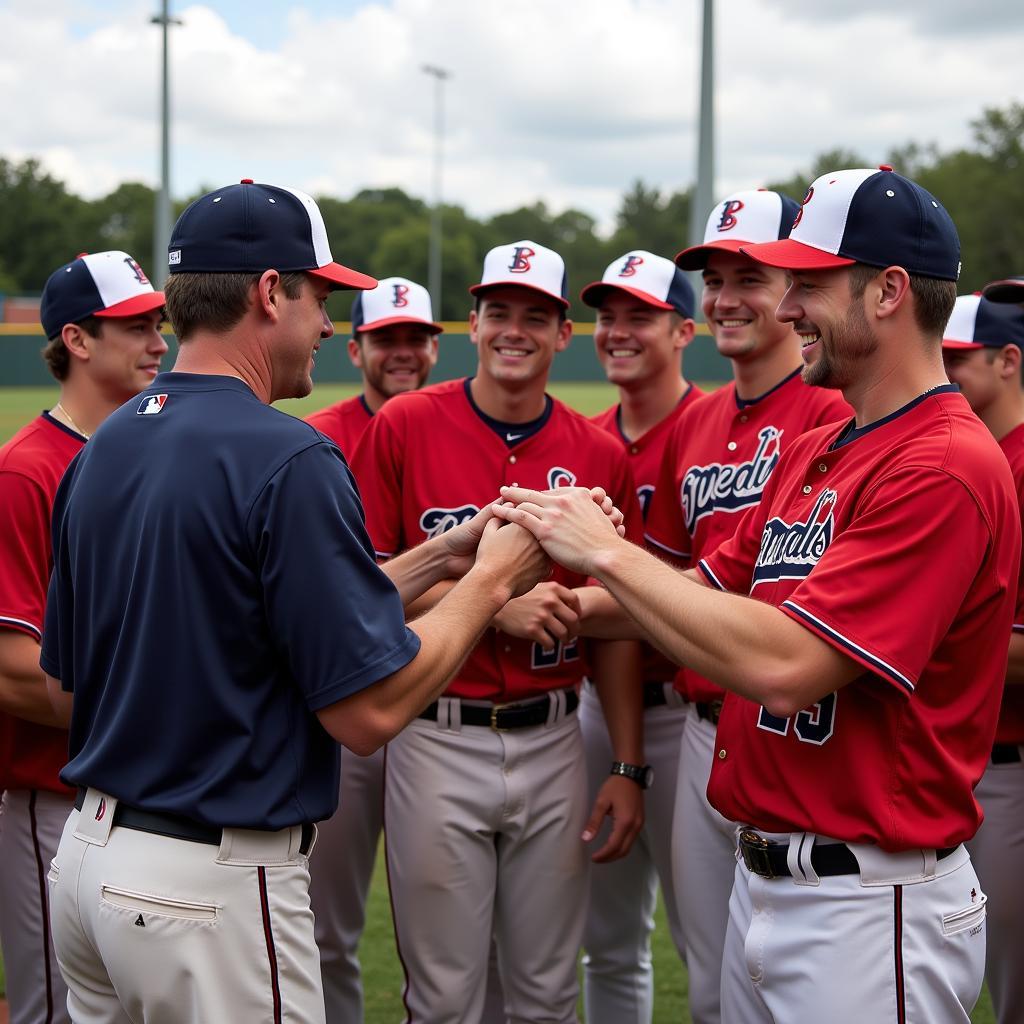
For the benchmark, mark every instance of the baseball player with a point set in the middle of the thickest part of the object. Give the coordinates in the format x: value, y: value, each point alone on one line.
x: 101, y: 317
x: 394, y: 345
x: 716, y: 463
x: 201, y: 541
x: 982, y: 349
x: 485, y: 792
x: 644, y: 322
x: 864, y: 674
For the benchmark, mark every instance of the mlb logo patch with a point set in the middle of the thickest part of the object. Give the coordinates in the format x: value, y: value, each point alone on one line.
x: 151, y: 406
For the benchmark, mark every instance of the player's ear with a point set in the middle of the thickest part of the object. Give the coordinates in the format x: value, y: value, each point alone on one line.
x: 433, y: 350
x: 269, y: 294
x: 76, y: 341
x: 887, y: 292
x: 355, y: 353
x: 683, y: 332
x: 1010, y: 361
x: 564, y: 335
x: 474, y: 323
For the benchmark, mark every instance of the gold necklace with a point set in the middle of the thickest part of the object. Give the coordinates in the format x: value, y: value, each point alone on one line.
x: 65, y: 415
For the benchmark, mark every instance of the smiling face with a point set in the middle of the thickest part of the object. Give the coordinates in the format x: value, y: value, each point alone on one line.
x: 517, y: 331
x: 125, y: 356
x: 393, y: 359
x: 637, y: 342
x: 739, y: 302
x: 835, y: 336
x: 302, y: 325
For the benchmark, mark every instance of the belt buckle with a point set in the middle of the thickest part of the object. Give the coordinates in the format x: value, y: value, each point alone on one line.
x: 495, y: 708
x: 754, y: 853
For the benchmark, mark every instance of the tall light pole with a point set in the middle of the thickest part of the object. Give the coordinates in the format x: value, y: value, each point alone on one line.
x: 162, y: 216
x: 704, y: 193
x: 440, y: 76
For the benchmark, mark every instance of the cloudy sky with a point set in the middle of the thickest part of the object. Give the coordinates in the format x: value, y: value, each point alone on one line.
x: 562, y: 100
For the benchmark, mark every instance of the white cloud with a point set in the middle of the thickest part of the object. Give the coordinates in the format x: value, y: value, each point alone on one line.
x: 567, y: 102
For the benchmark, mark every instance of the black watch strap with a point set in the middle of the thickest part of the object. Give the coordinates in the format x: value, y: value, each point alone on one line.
x: 641, y: 774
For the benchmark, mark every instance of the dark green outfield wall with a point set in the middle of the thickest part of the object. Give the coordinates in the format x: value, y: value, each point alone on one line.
x: 21, y: 365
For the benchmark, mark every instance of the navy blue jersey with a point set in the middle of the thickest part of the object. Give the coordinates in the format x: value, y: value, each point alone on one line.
x: 213, y: 587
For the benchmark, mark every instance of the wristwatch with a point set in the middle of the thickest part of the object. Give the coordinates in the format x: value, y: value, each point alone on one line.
x: 641, y: 774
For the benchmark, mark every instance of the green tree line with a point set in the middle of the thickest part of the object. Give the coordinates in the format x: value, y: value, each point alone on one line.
x: 385, y: 231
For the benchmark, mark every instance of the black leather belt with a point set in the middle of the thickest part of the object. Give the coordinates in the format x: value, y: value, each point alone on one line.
x: 502, y: 717
x: 770, y: 860
x: 1006, y: 753
x: 654, y: 695
x: 709, y: 710
x: 174, y: 826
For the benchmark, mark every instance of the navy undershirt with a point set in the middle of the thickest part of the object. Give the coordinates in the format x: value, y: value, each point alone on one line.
x: 511, y: 433
x: 851, y: 432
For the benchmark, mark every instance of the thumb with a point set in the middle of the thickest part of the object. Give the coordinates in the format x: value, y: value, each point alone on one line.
x: 597, y: 815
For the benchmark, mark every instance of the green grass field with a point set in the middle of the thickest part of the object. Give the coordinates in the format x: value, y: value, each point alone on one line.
x: 381, y: 970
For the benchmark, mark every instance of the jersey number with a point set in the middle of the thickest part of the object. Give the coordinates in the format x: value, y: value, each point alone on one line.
x: 812, y: 725
x: 541, y: 658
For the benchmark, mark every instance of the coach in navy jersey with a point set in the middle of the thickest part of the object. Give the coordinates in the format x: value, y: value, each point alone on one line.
x: 217, y: 613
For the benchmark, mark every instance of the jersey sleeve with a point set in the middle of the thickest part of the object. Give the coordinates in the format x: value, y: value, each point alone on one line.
x: 336, y: 618
x: 24, y: 554
x: 378, y: 464
x: 56, y: 654
x: 665, y: 529
x: 888, y: 587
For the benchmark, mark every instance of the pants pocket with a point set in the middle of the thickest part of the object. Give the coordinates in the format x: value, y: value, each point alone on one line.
x: 53, y: 875
x: 144, y: 903
x: 968, y: 919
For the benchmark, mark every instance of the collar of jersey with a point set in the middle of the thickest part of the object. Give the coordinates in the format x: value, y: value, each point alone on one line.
x: 618, y: 415
x: 198, y: 382
x: 746, y: 403
x: 851, y: 433
x: 500, y: 428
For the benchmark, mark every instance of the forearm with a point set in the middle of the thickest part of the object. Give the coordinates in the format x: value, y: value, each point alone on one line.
x: 60, y: 702
x: 615, y: 672
x: 1015, y: 664
x: 744, y: 645
x: 603, y: 618
x: 447, y: 632
x: 22, y: 683
x: 428, y: 600
x: 415, y: 571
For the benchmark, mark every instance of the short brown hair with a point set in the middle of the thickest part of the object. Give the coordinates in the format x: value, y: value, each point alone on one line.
x: 933, y: 298
x: 215, y: 302
x: 56, y: 354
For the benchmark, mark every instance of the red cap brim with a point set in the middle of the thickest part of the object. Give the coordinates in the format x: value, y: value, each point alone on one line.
x: 392, y: 320
x: 594, y: 294
x: 696, y: 257
x: 479, y: 289
x: 791, y: 255
x: 1010, y: 290
x: 343, y: 277
x: 135, y: 306
x: 955, y: 344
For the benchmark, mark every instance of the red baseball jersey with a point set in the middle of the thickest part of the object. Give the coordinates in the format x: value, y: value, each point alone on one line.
x: 1011, y: 716
x: 428, y: 461
x: 645, y: 459
x: 899, y: 544
x: 715, y: 466
x: 343, y: 422
x: 31, y: 466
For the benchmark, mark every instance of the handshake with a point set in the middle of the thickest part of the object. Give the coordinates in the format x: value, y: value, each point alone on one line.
x: 517, y: 538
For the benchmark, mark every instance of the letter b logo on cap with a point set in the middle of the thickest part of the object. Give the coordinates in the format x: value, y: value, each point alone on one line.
x: 729, y: 210
x: 521, y: 259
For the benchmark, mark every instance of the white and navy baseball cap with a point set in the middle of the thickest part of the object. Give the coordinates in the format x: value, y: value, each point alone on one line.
x: 104, y: 284
x: 1009, y: 290
x: 754, y: 215
x: 876, y: 217
x: 976, y: 322
x: 249, y: 228
x: 395, y: 300
x: 652, y: 279
x: 528, y: 265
